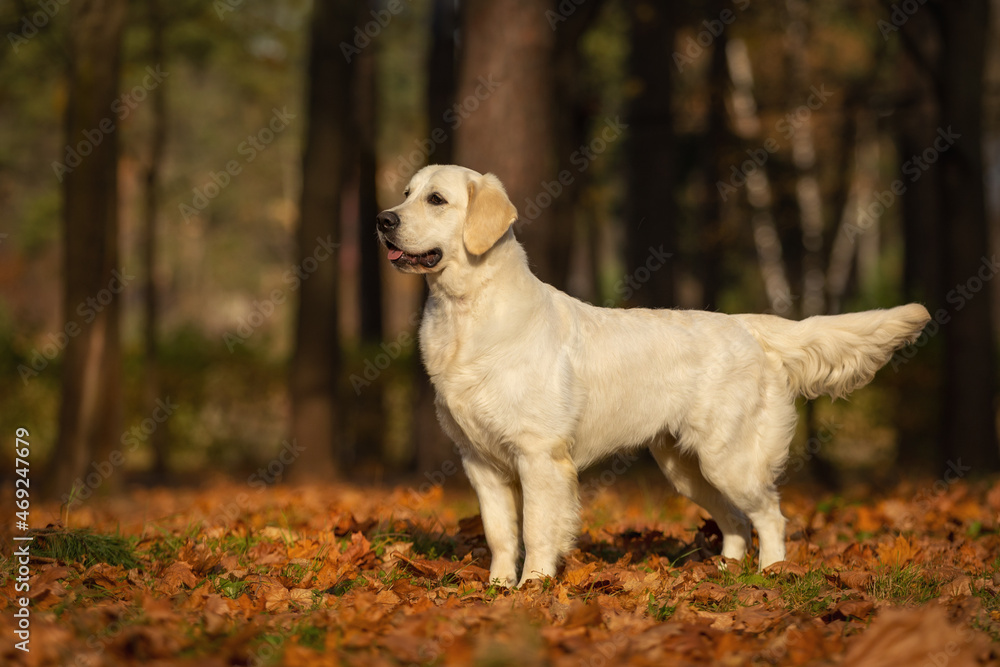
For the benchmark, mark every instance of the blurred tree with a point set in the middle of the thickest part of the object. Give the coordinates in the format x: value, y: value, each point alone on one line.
x: 970, y: 358
x: 151, y: 376
x: 365, y: 107
x: 651, y: 211
x: 90, y: 415
x: 918, y: 411
x: 947, y: 228
x: 504, y: 119
x: 715, y: 141
x: 316, y: 364
x: 441, y: 80
x: 369, y: 277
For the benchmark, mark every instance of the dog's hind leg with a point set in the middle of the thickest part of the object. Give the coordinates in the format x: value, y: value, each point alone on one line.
x: 745, y: 471
x: 685, y: 475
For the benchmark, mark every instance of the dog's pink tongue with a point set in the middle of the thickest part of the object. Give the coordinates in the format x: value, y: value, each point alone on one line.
x: 395, y: 254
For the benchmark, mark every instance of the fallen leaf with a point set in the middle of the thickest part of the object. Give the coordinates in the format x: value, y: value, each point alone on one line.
x: 916, y: 636
x: 757, y: 619
x: 900, y: 552
x: 175, y: 577
x: 216, y: 614
x: 48, y: 584
x: 860, y: 609
x: 785, y: 568
x: 583, y: 614
x: 577, y: 576
x: 709, y: 592
x: 858, y: 580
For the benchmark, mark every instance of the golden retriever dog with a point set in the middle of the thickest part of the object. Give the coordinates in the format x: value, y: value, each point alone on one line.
x: 534, y: 385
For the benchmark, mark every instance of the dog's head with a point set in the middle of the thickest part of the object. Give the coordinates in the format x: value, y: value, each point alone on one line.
x: 449, y: 214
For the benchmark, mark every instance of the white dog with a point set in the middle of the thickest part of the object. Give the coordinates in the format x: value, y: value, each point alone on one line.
x: 534, y: 385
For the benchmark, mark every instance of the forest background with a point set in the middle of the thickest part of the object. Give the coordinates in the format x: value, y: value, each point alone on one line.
x: 190, y: 281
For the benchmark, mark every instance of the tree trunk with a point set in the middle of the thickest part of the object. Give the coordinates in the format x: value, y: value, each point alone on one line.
x: 918, y: 412
x: 90, y: 412
x: 151, y: 376
x: 316, y: 365
x: 366, y: 107
x: 505, y: 119
x: 713, y: 145
x: 651, y: 211
x: 746, y: 120
x: 970, y: 360
x: 441, y: 79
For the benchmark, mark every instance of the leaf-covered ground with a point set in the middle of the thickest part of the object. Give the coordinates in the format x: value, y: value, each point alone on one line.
x: 247, y: 575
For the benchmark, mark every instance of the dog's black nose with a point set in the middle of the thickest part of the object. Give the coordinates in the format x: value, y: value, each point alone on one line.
x: 386, y: 221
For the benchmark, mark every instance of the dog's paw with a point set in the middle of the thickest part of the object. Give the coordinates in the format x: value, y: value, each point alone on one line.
x: 506, y: 580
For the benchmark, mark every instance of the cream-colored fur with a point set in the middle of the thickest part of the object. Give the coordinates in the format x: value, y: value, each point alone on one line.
x: 534, y: 385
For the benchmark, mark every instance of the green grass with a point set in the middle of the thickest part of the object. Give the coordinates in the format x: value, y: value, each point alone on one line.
x: 76, y: 545
x: 311, y: 636
x: 231, y: 589
x: 806, y: 592
x: 433, y: 546
x: 904, y: 585
x: 660, y: 612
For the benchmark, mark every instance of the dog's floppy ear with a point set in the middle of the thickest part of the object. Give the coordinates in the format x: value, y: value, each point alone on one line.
x: 489, y: 215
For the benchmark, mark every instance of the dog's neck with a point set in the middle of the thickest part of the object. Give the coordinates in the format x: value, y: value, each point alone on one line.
x: 505, y: 262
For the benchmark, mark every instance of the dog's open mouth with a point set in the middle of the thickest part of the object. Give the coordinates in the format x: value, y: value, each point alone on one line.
x: 428, y: 259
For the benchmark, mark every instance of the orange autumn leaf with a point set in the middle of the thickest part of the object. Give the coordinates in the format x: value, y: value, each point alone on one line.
x: 869, y: 520
x: 577, y: 576
x: 900, y: 552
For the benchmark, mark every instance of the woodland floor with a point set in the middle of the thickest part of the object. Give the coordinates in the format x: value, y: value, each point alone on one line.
x: 255, y: 575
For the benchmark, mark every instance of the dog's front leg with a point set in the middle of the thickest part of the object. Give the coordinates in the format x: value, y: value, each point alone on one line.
x: 498, y: 507
x: 551, y: 508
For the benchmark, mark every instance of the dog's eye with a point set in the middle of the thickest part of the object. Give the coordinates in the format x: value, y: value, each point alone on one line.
x: 436, y: 199
x: 406, y: 193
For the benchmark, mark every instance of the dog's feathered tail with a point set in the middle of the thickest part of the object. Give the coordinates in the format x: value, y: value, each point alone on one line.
x: 836, y: 354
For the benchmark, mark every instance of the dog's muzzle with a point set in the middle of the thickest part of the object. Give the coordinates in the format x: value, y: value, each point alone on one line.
x: 387, y: 222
